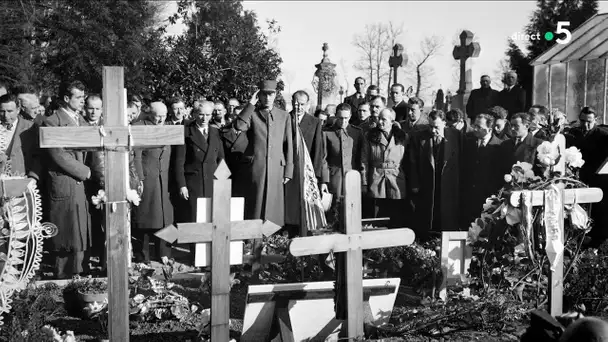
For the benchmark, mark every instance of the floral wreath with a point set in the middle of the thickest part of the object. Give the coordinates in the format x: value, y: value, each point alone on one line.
x: 512, y: 243
x: 21, y: 239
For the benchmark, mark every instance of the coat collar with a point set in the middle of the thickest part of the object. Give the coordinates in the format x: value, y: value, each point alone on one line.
x: 197, y: 137
x: 66, y: 119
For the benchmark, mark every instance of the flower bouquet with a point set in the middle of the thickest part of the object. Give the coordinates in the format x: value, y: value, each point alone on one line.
x: 515, y: 246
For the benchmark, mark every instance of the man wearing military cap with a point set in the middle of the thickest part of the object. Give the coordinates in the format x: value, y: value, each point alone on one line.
x: 270, y: 152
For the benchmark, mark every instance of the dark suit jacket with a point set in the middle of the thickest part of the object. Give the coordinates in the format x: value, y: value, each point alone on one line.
x: 235, y: 144
x: 342, y: 153
x: 419, y: 126
x: 542, y: 135
x: 195, y: 163
x: 401, y: 110
x: 514, y: 100
x: 525, y: 152
x: 354, y: 103
x: 481, y: 176
x: 436, y: 177
x: 24, y: 151
x: 480, y: 100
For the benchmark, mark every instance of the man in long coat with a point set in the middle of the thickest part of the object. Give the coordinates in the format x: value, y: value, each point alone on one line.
x: 155, y: 210
x: 513, y: 96
x: 481, y: 99
x: 311, y: 130
x: 68, y: 205
x: 481, y: 176
x: 435, y: 175
x: 271, y: 151
x: 197, y: 160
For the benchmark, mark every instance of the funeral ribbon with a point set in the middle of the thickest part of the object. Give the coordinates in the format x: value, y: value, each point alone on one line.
x: 526, y: 225
x: 553, y: 227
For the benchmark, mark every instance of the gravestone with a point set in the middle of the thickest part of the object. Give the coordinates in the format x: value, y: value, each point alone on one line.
x: 463, y: 52
x: 116, y: 138
x: 289, y: 307
x: 353, y: 242
x: 324, y: 81
x: 455, y: 260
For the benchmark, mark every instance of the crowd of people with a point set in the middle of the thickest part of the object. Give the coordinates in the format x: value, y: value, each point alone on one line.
x: 430, y: 170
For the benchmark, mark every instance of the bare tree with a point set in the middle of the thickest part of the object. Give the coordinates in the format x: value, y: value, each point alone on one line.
x: 420, y: 70
x: 501, y: 69
x: 344, y: 74
x: 375, y: 45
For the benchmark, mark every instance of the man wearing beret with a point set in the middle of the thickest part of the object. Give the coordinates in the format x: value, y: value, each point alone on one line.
x: 270, y: 152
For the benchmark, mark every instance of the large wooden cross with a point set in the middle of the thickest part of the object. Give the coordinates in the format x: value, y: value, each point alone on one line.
x: 525, y: 199
x: 467, y: 49
x: 220, y: 232
x: 119, y: 137
x: 353, y: 242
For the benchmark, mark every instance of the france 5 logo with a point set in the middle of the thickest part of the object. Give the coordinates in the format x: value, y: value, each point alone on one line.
x: 561, y: 28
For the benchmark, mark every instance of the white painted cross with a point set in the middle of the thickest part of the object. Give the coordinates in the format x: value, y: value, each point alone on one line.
x: 563, y: 196
x: 118, y: 139
x: 353, y: 242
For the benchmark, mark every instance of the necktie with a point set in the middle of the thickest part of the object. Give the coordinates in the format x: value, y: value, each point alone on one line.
x: 205, y: 132
x: 480, y: 143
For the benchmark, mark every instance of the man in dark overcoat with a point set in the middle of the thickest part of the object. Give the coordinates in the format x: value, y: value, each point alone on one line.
x: 399, y: 99
x: 197, y: 160
x: 311, y: 130
x: 480, y: 175
x: 271, y: 151
x: 155, y: 211
x: 521, y: 147
x: 435, y: 175
x: 513, y: 96
x: 68, y: 204
x: 481, y: 99
x: 592, y: 140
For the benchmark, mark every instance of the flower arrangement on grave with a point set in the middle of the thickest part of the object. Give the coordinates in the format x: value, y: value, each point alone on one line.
x: 514, y: 248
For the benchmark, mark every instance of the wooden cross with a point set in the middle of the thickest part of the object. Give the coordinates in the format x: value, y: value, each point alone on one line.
x: 353, y: 242
x: 220, y: 232
x: 119, y: 137
x: 525, y: 199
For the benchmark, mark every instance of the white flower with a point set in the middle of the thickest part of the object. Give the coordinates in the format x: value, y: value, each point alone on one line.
x: 133, y: 197
x: 511, y: 214
x: 579, y: 217
x: 474, y: 231
x: 573, y: 157
x: 99, y: 199
x: 548, y: 152
x: 508, y: 178
x: 522, y: 172
x: 488, y: 205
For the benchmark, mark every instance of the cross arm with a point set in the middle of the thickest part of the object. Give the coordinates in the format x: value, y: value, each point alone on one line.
x: 584, y: 195
x: 336, y: 243
x: 89, y: 137
x: 202, y: 232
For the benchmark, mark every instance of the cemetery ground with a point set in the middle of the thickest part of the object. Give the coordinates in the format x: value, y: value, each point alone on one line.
x: 415, y: 317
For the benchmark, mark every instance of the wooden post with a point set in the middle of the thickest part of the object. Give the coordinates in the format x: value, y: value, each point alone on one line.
x: 353, y: 242
x: 220, y: 233
x: 115, y: 138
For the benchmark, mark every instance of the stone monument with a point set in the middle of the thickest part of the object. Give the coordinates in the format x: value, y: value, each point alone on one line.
x: 398, y: 59
x: 467, y: 49
x: 324, y: 81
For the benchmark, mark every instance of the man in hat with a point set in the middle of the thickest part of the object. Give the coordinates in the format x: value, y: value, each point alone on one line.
x: 270, y: 150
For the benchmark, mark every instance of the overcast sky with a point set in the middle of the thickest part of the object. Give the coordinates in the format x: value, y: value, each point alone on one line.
x: 306, y: 25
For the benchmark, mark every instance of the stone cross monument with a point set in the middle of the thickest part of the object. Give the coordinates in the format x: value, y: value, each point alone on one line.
x: 324, y: 81
x: 467, y: 49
